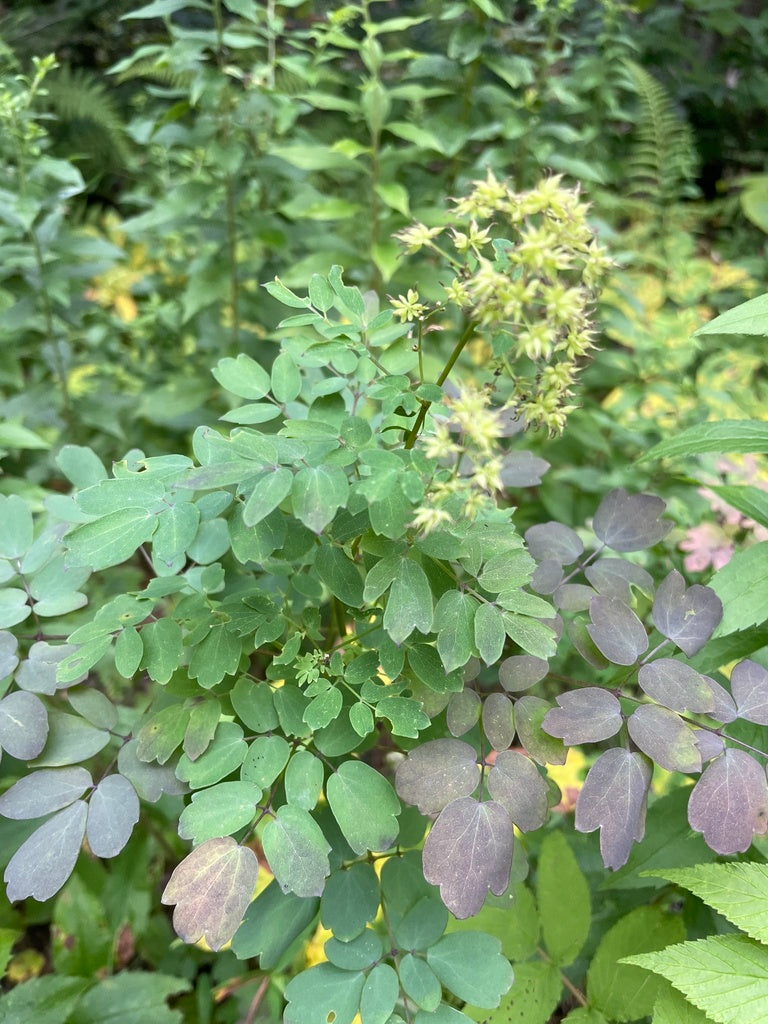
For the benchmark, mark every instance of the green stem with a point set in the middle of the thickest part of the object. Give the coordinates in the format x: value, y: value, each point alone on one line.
x: 414, y: 432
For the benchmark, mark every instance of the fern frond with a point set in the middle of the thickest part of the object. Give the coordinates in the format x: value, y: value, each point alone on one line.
x: 87, y: 115
x: 148, y: 67
x: 662, y: 163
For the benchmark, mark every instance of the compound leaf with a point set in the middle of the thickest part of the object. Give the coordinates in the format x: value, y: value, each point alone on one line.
x: 729, y: 803
x: 468, y: 852
x: 613, y: 799
x: 737, y: 891
x: 211, y: 889
x: 437, y: 772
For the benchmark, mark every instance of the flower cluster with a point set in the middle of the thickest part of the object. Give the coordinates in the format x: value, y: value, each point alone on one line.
x: 526, y: 271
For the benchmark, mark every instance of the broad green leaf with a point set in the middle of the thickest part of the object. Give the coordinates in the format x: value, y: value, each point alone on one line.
x: 437, y: 772
x: 176, y: 530
x: 163, y: 645
x: 737, y: 891
x: 270, y: 490
x: 455, y: 627
x: 162, y: 735
x: 751, y: 501
x: 81, y: 937
x: 471, y: 965
x: 149, y: 780
x: 622, y: 992
x: 113, y: 810
x: 133, y: 491
x: 277, y: 289
x: 409, y: 605
x: 468, y: 852
x: 340, y: 574
x: 534, y: 637
x: 321, y: 295
x: 726, y: 976
x: 13, y: 606
x: 225, y: 754
x: 379, y: 996
x: 358, y: 954
x: 45, y: 791
x: 671, y: 1007
x: 420, y: 983
x: 742, y: 586
x: 323, y: 993
x: 129, y: 650
x: 218, y: 811
x: 533, y: 998
x: 361, y: 719
x: 509, y: 570
x: 490, y: 633
x: 516, y: 925
x: 266, y: 758
x: 203, y: 721
x: 243, y: 376
x: 297, y: 851
x: 38, y: 674
x: 323, y: 709
x: 44, y: 862
x: 80, y: 465
x: 529, y: 714
x: 9, y: 659
x: 254, y: 705
x: 405, y: 715
x: 16, y: 529
x: 45, y: 1000
x: 94, y: 706
x: 285, y: 378
x: 724, y: 436
x: 111, y: 539
x: 613, y: 799
x: 563, y: 897
x: 317, y: 493
x: 272, y: 922
x: 211, y: 889
x: 23, y: 725
x: 74, y: 667
x: 749, y: 317
x: 350, y: 900
x: 216, y: 656
x: 132, y: 997
x: 422, y: 925
x: 303, y: 780
x: 364, y: 805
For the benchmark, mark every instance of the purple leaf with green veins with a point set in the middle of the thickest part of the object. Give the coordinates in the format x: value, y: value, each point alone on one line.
x: 665, y: 738
x: 613, y: 799
x: 554, y: 541
x: 45, y: 791
x: 529, y: 715
x: 464, y: 710
x: 749, y: 686
x: 630, y: 522
x: 434, y: 774
x: 23, y: 725
x: 612, y: 577
x: 212, y: 888
x: 522, y: 671
x: 729, y: 803
x: 584, y: 716
x: 676, y: 686
x: 498, y: 720
x: 468, y: 852
x: 616, y: 631
x: 515, y: 782
x: 689, y: 616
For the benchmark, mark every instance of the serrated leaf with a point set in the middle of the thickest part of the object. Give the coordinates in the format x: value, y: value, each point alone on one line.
x: 44, y: 862
x: 630, y: 522
x: 45, y: 791
x: 729, y: 803
x: 270, y: 490
x: 613, y: 799
x: 498, y: 720
x: 749, y: 686
x: 323, y: 993
x: 470, y: 965
x: 437, y: 772
x: 676, y: 685
x: 110, y: 540
x: 529, y: 715
x: 587, y: 715
x: 689, y: 616
x: 554, y: 540
x: 563, y: 897
x: 516, y: 783
x: 317, y: 492
x: 467, y: 852
x: 725, y: 976
x: 297, y: 851
x: 617, y: 632
x: 621, y: 992
x: 45, y: 1000
x: 409, y: 605
x: 724, y: 436
x: 364, y: 805
x: 23, y: 725
x: 665, y: 738
x: 218, y: 811
x: 742, y: 586
x: 671, y: 1007
x: 113, y: 810
x: 211, y: 889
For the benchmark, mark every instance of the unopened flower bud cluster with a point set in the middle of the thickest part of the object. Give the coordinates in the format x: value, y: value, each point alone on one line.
x: 527, y: 270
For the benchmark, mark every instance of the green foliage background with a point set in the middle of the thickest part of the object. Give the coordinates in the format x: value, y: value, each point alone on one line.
x: 154, y: 176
